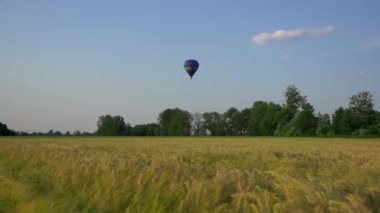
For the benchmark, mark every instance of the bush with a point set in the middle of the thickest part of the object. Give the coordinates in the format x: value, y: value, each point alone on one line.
x: 371, y: 131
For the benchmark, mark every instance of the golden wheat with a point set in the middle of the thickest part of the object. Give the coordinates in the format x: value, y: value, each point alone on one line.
x: 189, y: 175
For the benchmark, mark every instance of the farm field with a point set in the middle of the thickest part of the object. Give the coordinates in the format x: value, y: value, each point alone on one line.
x: 126, y: 174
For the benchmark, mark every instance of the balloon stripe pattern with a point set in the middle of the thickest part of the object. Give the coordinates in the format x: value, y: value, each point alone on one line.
x: 191, y: 66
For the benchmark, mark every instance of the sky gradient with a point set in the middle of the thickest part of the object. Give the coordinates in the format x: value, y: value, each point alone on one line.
x: 65, y: 63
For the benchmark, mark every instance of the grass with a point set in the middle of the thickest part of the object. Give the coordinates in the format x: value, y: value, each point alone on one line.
x: 189, y: 175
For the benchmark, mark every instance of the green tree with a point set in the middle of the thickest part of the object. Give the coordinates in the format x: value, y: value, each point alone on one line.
x: 294, y: 114
x: 324, y: 125
x: 50, y: 133
x: 361, y: 106
x: 342, y: 121
x: 4, y: 131
x: 271, y: 119
x: 58, y: 133
x: 264, y: 118
x: 111, y: 125
x: 258, y: 112
x: 175, y: 122
x: 294, y: 100
x: 243, y: 123
x: 77, y: 133
x: 213, y: 123
x: 151, y: 129
x: 231, y: 121
x: 305, y: 120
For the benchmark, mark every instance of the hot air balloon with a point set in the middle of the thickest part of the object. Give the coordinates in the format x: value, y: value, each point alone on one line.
x: 191, y: 66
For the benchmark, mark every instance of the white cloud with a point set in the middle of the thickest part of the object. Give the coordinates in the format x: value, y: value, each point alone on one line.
x: 285, y: 35
x: 321, y: 31
x: 372, y: 44
x: 285, y: 56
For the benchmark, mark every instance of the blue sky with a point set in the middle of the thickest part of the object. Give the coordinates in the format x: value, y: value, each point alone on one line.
x: 65, y: 63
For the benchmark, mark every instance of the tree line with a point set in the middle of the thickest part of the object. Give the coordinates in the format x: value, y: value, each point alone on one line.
x: 4, y: 131
x: 296, y: 117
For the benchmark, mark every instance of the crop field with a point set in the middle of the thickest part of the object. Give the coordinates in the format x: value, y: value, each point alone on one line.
x: 122, y: 174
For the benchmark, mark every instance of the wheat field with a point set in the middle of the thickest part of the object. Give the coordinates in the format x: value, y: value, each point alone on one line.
x: 126, y: 174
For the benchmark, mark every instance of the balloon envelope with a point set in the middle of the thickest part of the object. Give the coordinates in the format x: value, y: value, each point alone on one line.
x: 191, y: 66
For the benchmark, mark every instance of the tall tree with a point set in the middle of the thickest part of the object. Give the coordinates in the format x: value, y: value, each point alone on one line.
x: 294, y: 99
x: 342, y: 121
x: 213, y: 123
x: 305, y: 120
x: 264, y: 118
x: 175, y: 122
x: 111, y: 125
x: 361, y: 106
x: 244, y: 117
x: 231, y: 121
x: 197, y: 125
x: 258, y: 113
x: 271, y: 119
x: 295, y: 112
